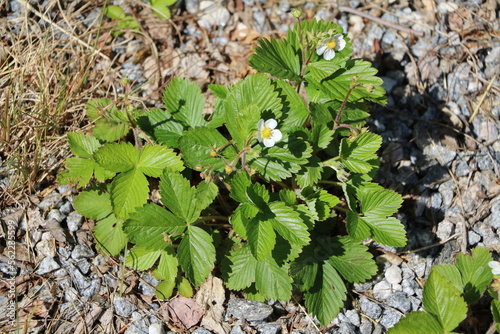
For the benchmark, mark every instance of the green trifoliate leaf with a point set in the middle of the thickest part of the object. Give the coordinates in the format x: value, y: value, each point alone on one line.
x: 310, y: 173
x: 110, y: 236
x: 81, y: 170
x: 295, y: 111
x: 288, y: 224
x: 377, y: 201
x: 278, y: 58
x: 153, y: 227
x: 99, y: 107
x: 242, y: 268
x: 184, y: 101
x: 93, y: 204
x: 417, y: 323
x: 320, y: 203
x: 356, y: 154
x: 142, y: 258
x: 178, y: 195
x: 196, y: 254
x: 82, y: 145
x: 261, y: 236
x: 327, y: 295
x: 272, y: 280
x: 443, y: 301
x: 110, y: 130
x: 387, y: 231
x: 154, y: 159
x: 204, y: 147
x: 117, y: 157
x: 129, y: 191
x: 476, y: 275
x: 352, y: 260
x: 161, y: 126
x: 167, y: 267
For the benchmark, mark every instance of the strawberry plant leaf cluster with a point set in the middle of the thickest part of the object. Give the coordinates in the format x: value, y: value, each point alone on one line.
x: 272, y: 190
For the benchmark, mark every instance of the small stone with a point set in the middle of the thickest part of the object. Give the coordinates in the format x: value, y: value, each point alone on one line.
x: 494, y: 219
x: 399, y: 301
x: 388, y: 84
x: 393, y: 274
x: 137, y: 324
x: 156, y: 328
x: 409, y: 286
x: 251, y: 310
x: 366, y: 327
x: 81, y: 252
x: 237, y: 330
x: 50, y: 201
x: 47, y: 248
x: 148, y: 289
x: 353, y: 317
x: 74, y: 221
x: 345, y: 328
x: 47, y: 265
x: 56, y: 215
x: 473, y: 238
x: 123, y: 307
x: 270, y: 328
x: 370, y: 308
x: 445, y: 229
x: 83, y: 266
x: 390, y: 318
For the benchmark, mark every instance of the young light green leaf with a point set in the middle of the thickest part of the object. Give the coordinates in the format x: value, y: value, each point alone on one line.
x: 114, y: 12
x: 117, y: 157
x: 443, y: 301
x: 451, y: 273
x: 242, y: 268
x: 154, y: 159
x: 351, y: 259
x: 93, y: 204
x: 97, y: 107
x: 261, y: 236
x: 110, y: 236
x: 476, y: 275
x: 110, y: 130
x: 151, y: 226
x: 288, y: 197
x: 184, y: 101
x: 160, y: 8
x: 167, y: 267
x: 196, y: 254
x: 387, y: 231
x: 278, y: 58
x: 178, y: 195
x: 165, y: 289
x: 129, y: 190
x: 142, y: 258
x: 417, y: 323
x: 327, y: 295
x: 82, y: 145
x: 272, y: 280
x: 185, y: 289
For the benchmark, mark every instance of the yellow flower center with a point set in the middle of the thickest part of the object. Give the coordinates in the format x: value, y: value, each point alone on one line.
x: 331, y: 44
x: 266, y: 133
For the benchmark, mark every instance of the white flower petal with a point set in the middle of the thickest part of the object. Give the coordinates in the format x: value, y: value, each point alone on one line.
x: 268, y: 142
x: 260, y: 125
x: 271, y: 123
x: 276, y: 135
x: 329, y: 54
x: 321, y: 48
x: 495, y: 267
x: 341, y: 43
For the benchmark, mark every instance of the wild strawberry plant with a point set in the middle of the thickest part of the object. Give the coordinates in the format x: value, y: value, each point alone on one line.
x: 272, y: 190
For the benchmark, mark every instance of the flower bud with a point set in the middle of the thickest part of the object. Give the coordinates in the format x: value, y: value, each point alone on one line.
x: 296, y: 13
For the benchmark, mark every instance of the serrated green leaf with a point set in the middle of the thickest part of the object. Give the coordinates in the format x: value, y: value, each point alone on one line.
x: 295, y: 111
x: 142, y: 258
x: 495, y: 311
x: 452, y: 274
x: 160, y: 8
x: 278, y: 58
x: 288, y: 224
x: 206, y: 148
x: 310, y: 173
x: 443, y: 301
x: 185, y: 289
x: 239, y: 220
x: 129, y: 191
x: 379, y: 202
x: 476, y: 275
x: 80, y: 170
x: 184, y: 101
x: 93, y: 204
x: 218, y: 90
x: 352, y: 260
x: 242, y: 268
x: 272, y: 280
x: 82, y: 145
x: 109, y: 234
x: 178, y: 196
x: 114, y: 12
x: 243, y: 124
x: 205, y: 194
x: 165, y: 289
x: 327, y: 295
x: 304, y: 269
x: 151, y: 226
x: 153, y: 159
x: 357, y: 154
x: 239, y: 183
x: 258, y: 195
x: 387, y: 231
x: 322, y: 136
x: 288, y: 197
x: 110, y: 130
x: 417, y: 323
x: 196, y: 254
x: 167, y: 267
x: 161, y: 126
x: 117, y: 157
x: 261, y: 236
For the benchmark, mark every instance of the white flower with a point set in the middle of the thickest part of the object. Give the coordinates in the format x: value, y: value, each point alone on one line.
x: 329, y: 45
x: 495, y: 267
x: 267, y: 132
